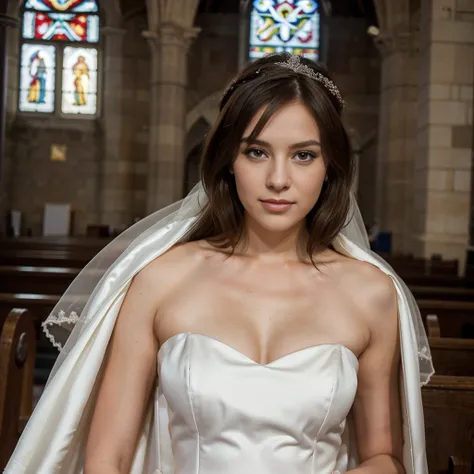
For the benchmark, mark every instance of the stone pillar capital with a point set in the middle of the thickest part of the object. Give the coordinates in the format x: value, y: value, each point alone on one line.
x: 395, y: 42
x: 171, y: 34
x: 9, y: 21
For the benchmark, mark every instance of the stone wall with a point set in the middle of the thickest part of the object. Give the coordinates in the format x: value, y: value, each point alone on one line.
x: 353, y: 60
x: 444, y: 158
x: 34, y: 180
x: 136, y: 109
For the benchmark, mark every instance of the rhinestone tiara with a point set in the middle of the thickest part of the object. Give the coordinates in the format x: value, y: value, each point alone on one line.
x: 294, y: 63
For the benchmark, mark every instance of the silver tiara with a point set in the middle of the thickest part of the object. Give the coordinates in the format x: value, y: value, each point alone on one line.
x: 294, y: 63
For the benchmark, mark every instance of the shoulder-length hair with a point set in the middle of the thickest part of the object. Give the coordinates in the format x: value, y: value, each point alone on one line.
x: 266, y: 85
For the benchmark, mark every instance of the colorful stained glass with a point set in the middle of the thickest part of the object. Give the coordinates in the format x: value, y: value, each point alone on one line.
x: 75, y: 6
x: 79, y: 81
x: 37, y: 76
x: 284, y: 25
x: 61, y: 27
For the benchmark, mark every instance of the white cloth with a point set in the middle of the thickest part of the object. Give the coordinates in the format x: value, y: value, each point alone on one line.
x: 229, y: 414
x: 54, y: 439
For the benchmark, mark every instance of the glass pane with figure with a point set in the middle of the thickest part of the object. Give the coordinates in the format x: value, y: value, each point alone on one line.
x: 61, y: 27
x: 76, y: 6
x: 79, y: 94
x: 284, y: 25
x: 37, y: 78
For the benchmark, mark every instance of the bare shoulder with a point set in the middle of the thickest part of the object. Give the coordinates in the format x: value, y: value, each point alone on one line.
x: 169, y: 269
x: 370, y: 287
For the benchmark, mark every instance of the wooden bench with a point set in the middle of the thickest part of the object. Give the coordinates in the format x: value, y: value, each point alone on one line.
x: 407, y: 265
x: 451, y: 356
x: 442, y: 293
x: 448, y: 403
x: 45, y: 258
x: 17, y: 358
x: 450, y: 281
x: 50, y: 251
x: 39, y: 305
x: 456, y: 318
x: 30, y: 279
x: 90, y: 244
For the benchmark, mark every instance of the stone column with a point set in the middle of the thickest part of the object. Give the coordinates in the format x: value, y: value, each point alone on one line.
x: 114, y: 174
x: 244, y: 28
x: 397, y: 136
x: 444, y: 158
x: 6, y: 22
x: 167, y: 131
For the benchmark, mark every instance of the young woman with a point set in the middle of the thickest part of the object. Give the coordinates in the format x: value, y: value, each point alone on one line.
x: 249, y: 330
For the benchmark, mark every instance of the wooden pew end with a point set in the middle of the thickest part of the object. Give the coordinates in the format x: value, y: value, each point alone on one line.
x: 432, y: 323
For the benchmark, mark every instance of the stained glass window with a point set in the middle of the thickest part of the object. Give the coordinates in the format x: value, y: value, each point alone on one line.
x: 61, y: 27
x: 80, y: 6
x: 284, y: 25
x: 50, y: 30
x: 79, y: 81
x: 37, y: 75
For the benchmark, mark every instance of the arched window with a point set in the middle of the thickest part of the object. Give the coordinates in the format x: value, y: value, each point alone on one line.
x: 60, y: 57
x: 285, y: 25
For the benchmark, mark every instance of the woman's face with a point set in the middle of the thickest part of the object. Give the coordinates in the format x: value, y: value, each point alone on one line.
x: 279, y: 176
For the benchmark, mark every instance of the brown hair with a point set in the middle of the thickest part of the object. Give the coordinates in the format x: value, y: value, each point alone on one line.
x: 264, y: 84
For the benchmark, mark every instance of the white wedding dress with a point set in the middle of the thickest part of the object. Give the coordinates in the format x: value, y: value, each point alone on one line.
x: 229, y: 414
x: 214, y: 410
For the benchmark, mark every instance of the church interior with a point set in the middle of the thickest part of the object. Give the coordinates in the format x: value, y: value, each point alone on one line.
x: 104, y: 109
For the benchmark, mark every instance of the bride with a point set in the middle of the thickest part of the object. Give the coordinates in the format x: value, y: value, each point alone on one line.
x: 248, y: 329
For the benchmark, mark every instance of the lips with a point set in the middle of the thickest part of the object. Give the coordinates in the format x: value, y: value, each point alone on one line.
x: 277, y: 201
x: 276, y: 205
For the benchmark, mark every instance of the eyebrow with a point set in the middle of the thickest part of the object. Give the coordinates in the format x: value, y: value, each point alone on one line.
x: 304, y: 144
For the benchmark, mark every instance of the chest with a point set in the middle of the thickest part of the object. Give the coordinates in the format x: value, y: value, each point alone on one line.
x: 264, y: 312
x: 268, y: 295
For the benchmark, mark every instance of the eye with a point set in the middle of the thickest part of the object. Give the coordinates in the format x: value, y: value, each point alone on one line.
x: 305, y: 156
x: 254, y: 153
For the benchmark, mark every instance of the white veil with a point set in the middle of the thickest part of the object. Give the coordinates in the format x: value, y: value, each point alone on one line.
x: 117, y: 263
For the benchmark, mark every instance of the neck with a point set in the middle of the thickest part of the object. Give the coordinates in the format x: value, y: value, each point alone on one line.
x: 271, y: 246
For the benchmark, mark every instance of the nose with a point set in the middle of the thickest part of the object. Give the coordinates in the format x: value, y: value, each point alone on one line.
x: 278, y: 175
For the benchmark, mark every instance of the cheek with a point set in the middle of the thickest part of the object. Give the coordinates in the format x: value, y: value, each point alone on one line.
x: 246, y: 180
x: 311, y: 183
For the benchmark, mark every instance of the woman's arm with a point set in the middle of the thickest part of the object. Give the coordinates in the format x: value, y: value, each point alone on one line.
x: 377, y: 409
x: 129, y: 376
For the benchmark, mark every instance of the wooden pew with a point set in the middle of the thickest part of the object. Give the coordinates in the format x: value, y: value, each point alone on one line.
x: 50, y: 251
x: 91, y: 245
x: 408, y: 264
x: 456, y: 318
x: 39, y: 305
x: 442, y: 293
x: 450, y: 281
x: 41, y: 280
x: 451, y: 356
x: 17, y: 357
x: 448, y: 403
x: 45, y: 258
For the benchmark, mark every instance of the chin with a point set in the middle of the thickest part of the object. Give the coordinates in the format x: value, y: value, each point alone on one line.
x: 277, y: 223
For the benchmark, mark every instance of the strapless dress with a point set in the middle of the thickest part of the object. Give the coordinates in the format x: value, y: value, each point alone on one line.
x: 228, y: 414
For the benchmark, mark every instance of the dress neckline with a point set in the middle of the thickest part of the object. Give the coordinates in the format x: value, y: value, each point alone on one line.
x: 281, y: 359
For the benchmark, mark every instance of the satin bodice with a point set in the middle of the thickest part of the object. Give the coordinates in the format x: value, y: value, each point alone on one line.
x: 228, y: 413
